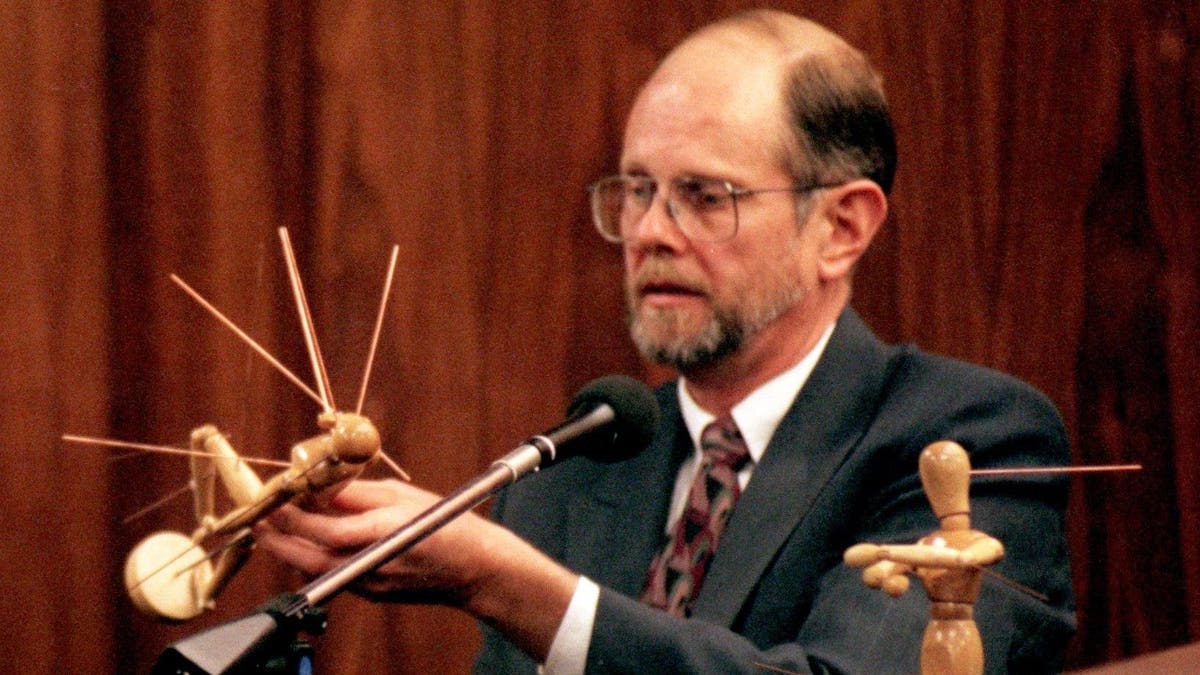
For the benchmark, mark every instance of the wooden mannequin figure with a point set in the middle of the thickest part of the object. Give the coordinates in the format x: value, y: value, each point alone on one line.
x: 170, y: 574
x: 949, y: 562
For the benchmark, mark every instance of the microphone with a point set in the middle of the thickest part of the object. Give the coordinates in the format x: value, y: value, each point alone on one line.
x: 611, y: 419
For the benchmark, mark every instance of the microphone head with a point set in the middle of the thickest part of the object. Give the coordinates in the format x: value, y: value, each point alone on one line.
x: 635, y: 413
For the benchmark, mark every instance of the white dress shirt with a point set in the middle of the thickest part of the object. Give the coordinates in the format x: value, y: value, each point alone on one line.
x: 757, y: 416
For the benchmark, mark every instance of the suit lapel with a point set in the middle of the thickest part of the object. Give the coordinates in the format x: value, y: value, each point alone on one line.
x: 818, y: 432
x: 623, y: 508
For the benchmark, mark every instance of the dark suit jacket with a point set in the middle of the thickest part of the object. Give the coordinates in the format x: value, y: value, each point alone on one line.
x: 840, y: 469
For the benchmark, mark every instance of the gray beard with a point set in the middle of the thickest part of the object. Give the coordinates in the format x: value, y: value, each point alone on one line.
x: 723, y: 334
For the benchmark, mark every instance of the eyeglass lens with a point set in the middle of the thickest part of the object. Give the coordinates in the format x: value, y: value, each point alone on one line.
x: 702, y: 208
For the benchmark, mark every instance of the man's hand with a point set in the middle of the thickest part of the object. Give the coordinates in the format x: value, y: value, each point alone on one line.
x: 470, y: 563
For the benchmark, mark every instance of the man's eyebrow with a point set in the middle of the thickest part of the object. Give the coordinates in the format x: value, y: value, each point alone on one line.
x: 686, y: 178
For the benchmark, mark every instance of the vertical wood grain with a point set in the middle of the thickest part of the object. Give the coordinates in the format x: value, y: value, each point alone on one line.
x: 1043, y: 223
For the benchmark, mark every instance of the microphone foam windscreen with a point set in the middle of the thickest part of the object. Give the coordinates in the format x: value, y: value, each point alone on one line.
x: 634, y: 405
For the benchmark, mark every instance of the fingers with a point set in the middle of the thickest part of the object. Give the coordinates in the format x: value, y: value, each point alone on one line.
x: 890, y: 576
x: 337, y: 532
x: 315, y: 543
x: 302, y: 554
x: 363, y: 495
x: 364, y: 512
x: 313, y: 560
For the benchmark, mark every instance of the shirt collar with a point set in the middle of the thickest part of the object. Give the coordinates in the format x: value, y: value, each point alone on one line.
x: 757, y: 415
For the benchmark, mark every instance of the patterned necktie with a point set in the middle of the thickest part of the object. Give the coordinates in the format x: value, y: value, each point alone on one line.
x: 676, y: 574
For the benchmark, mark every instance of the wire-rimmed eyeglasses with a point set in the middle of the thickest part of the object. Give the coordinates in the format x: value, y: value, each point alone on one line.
x: 704, y: 209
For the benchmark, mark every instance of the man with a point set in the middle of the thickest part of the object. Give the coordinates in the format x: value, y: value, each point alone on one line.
x: 753, y: 177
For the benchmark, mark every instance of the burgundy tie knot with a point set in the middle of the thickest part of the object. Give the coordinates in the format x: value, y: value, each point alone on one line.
x: 722, y: 443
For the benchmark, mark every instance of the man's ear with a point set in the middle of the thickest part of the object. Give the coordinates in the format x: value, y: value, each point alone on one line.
x: 854, y: 212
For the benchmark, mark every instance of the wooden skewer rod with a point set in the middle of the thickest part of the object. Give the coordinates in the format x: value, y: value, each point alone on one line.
x: 165, y: 449
x: 159, y: 503
x: 362, y: 390
x: 174, y: 559
x: 247, y: 339
x: 306, y: 323
x: 387, y: 287
x: 225, y: 546
x: 1015, y: 584
x: 394, y: 467
x: 1057, y: 469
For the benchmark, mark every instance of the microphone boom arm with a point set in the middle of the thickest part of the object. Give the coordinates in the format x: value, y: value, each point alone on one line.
x: 504, y: 471
x: 528, y: 457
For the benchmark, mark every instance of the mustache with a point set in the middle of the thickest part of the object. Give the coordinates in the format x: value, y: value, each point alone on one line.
x: 660, y: 274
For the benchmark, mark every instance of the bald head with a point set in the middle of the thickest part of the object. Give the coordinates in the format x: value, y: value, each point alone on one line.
x: 828, y: 118
x: 791, y: 36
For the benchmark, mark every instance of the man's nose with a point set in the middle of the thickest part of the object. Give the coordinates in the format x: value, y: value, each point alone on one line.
x: 659, y: 225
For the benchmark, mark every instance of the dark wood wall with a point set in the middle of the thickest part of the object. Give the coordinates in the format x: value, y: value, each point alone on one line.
x: 1045, y: 222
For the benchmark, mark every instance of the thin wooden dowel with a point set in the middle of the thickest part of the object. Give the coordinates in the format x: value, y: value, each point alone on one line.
x: 394, y: 466
x: 159, y: 503
x: 165, y: 449
x: 1057, y: 469
x: 247, y: 339
x: 387, y: 288
x: 229, y: 543
x: 306, y: 324
x: 1015, y: 584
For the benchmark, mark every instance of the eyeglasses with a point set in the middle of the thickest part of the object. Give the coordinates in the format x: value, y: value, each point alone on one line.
x: 704, y: 209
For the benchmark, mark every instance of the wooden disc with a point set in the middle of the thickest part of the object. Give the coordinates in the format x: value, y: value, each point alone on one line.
x: 164, y: 574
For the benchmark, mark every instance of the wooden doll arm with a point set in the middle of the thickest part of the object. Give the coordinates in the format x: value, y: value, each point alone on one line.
x: 985, y: 551
x: 916, y: 555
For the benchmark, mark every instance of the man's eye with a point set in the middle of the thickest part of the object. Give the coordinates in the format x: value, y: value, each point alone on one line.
x: 642, y: 191
x: 702, y: 195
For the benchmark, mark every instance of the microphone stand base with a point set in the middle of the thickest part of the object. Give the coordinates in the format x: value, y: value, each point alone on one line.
x: 265, y: 642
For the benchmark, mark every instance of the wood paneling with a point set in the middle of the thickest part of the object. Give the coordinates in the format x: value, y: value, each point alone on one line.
x: 1044, y: 222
